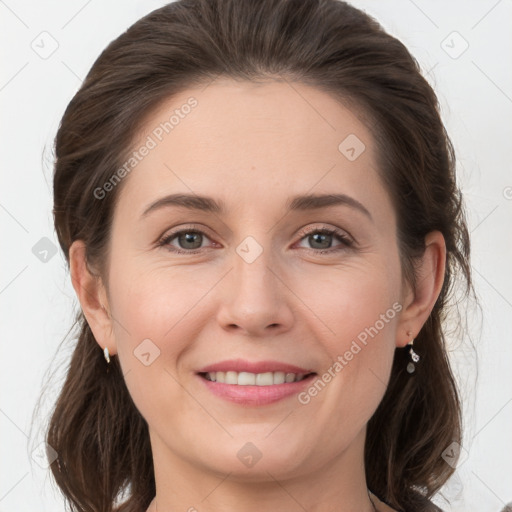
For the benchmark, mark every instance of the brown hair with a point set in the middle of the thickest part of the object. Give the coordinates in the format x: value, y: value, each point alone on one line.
x: 101, y: 439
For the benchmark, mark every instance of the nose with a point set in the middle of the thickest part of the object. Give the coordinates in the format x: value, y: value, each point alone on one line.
x: 255, y: 298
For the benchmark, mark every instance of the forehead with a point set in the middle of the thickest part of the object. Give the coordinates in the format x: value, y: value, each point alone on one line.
x: 244, y: 140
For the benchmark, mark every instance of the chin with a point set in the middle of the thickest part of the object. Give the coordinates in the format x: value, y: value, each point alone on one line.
x: 253, y: 460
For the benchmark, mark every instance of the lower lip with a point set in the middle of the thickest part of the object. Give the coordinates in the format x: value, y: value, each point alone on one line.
x: 256, y: 395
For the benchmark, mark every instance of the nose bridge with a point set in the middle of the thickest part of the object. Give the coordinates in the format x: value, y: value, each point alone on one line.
x: 255, y: 298
x: 252, y: 273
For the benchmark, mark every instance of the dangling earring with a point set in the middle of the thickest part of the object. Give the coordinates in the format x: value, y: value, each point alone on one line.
x: 414, y: 357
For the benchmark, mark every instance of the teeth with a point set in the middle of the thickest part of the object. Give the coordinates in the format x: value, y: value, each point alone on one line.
x: 254, y: 379
x: 290, y: 377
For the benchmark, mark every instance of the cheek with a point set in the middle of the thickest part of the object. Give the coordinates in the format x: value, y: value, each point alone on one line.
x: 155, y: 313
x: 358, y: 315
x: 152, y: 303
x: 354, y: 304
x: 159, y: 312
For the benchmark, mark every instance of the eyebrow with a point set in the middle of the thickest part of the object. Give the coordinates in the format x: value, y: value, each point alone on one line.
x: 304, y: 202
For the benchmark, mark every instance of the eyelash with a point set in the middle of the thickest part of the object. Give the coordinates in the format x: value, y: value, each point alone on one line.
x: 340, y: 235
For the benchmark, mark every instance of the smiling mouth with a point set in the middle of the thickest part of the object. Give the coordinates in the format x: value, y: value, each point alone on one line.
x: 254, y: 379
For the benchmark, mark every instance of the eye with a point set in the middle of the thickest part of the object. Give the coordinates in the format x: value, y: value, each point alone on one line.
x: 189, y: 240
x: 321, y: 239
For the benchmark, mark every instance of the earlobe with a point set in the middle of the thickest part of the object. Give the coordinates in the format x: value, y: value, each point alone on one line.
x: 92, y: 296
x: 430, y: 274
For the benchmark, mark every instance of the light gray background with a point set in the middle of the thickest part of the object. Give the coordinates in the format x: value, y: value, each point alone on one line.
x: 36, y: 298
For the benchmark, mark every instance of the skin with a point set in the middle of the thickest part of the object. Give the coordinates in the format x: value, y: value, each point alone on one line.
x: 253, y: 146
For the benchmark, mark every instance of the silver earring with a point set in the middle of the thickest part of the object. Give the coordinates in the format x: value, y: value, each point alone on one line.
x: 414, y: 357
x: 106, y: 354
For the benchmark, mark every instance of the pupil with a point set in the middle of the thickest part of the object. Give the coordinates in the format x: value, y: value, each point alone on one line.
x: 325, y: 245
x: 189, y: 238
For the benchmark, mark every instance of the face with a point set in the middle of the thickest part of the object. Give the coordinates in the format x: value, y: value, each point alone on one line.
x: 277, y: 284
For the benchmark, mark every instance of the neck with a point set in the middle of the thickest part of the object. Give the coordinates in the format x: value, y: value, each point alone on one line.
x: 339, y: 485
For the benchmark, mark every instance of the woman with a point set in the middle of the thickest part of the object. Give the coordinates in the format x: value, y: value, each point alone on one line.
x: 258, y: 204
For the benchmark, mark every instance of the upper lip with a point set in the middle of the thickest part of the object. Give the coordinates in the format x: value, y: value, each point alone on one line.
x: 242, y: 365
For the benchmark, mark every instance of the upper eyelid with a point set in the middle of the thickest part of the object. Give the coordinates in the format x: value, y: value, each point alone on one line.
x: 335, y: 231
x: 302, y: 231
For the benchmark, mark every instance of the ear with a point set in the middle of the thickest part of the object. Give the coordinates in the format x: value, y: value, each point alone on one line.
x: 92, y: 295
x: 418, y: 303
